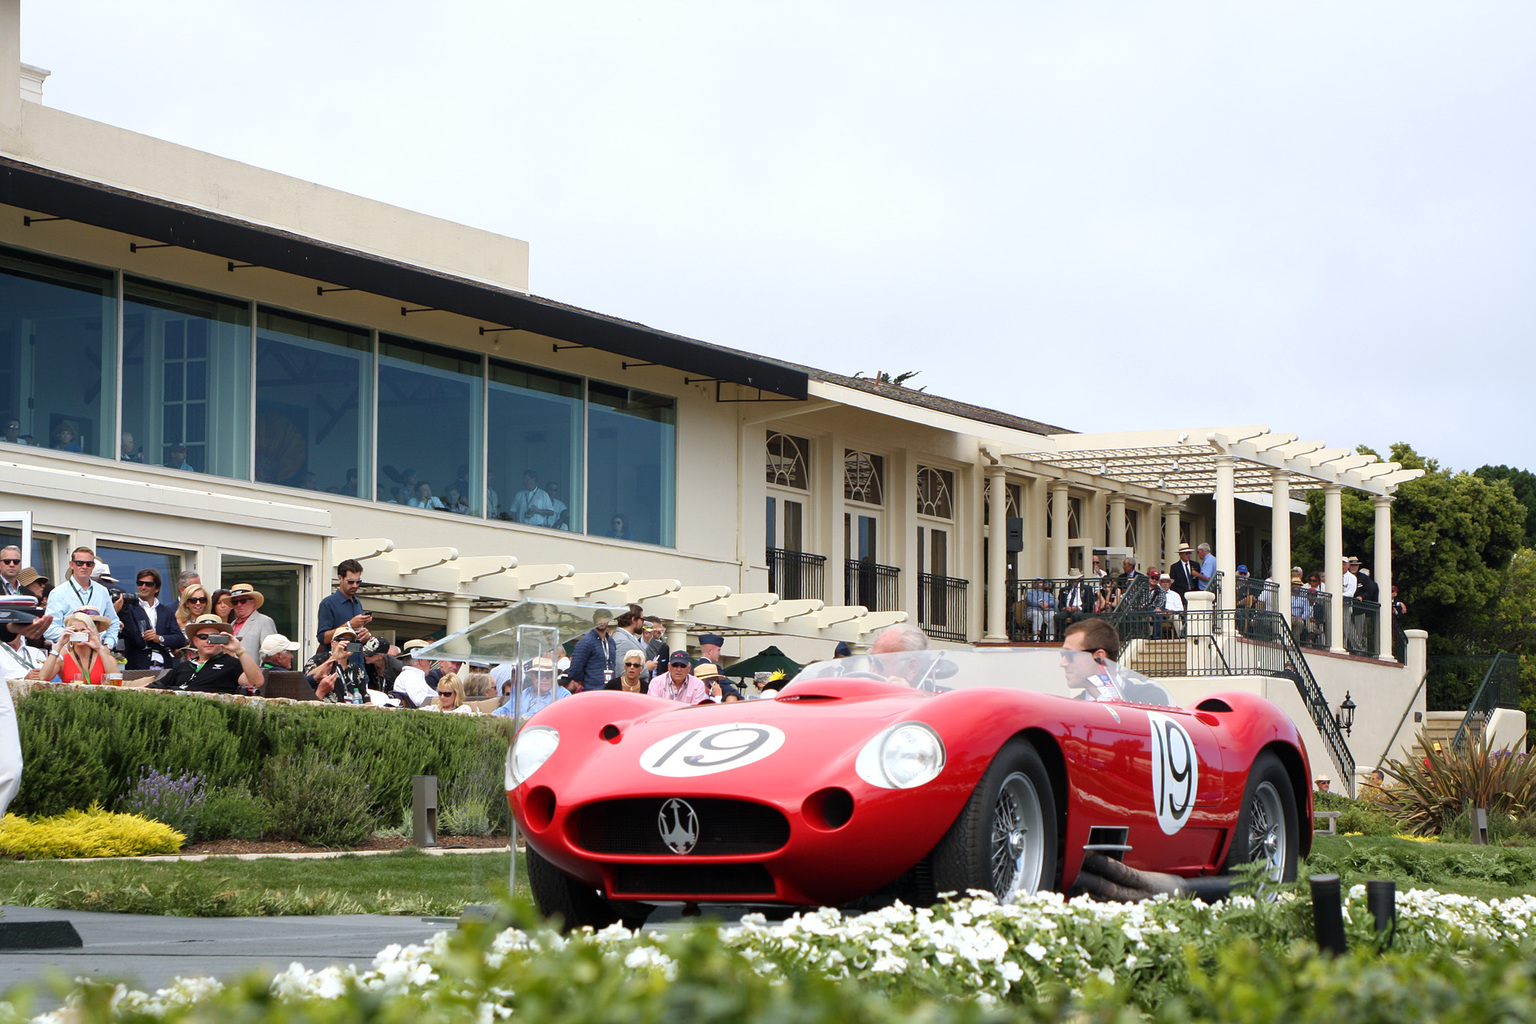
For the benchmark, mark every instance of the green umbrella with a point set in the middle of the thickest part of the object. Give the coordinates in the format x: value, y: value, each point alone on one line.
x: 769, y: 659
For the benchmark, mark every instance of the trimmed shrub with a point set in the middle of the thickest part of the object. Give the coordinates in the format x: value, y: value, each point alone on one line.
x: 90, y: 833
x: 233, y: 814
x: 316, y: 801
x: 175, y: 800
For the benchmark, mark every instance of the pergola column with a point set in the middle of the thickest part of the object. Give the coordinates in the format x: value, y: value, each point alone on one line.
x: 1150, y: 536
x: 1383, y: 570
x: 1226, y: 533
x: 1333, y: 562
x: 997, y: 554
x: 1116, y: 521
x: 1171, y: 533
x: 1058, y: 560
x: 1280, y: 540
x: 458, y: 614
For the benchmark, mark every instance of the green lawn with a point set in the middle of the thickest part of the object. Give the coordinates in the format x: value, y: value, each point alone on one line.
x: 415, y: 883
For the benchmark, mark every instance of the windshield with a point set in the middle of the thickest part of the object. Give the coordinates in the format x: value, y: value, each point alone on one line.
x: 1056, y: 671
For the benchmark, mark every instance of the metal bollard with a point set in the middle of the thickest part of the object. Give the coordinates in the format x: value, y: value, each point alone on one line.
x: 1328, y: 914
x: 424, y: 810
x: 1480, y: 826
x: 1381, y: 899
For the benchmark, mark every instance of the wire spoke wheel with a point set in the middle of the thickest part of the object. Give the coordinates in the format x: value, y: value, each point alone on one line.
x: 1268, y: 827
x: 1018, y: 839
x: 1267, y: 840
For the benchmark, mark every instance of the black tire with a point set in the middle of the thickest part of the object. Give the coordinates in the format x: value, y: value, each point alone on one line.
x: 559, y: 895
x: 1268, y: 827
x: 1005, y: 838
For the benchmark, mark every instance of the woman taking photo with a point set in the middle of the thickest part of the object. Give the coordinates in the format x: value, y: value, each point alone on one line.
x: 79, y: 656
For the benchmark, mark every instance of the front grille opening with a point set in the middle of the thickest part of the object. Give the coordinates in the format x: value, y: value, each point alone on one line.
x: 692, y: 879
x: 726, y: 827
x: 830, y: 808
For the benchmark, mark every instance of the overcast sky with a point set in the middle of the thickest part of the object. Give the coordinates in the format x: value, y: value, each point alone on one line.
x: 1319, y: 216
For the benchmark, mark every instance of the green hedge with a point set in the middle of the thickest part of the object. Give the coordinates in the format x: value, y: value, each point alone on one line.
x: 84, y: 746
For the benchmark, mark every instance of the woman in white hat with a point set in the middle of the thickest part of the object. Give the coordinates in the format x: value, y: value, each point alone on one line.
x: 78, y: 655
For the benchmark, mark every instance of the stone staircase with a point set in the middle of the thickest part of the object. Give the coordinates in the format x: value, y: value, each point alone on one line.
x: 1438, y: 727
x: 1157, y: 657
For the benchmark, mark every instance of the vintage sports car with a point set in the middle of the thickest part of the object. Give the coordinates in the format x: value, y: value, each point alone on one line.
x: 902, y: 776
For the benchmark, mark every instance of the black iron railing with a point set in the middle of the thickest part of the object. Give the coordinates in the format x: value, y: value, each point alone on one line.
x: 875, y: 586
x: 1226, y: 643
x: 1500, y: 688
x: 1041, y: 609
x: 941, y: 606
x: 795, y: 575
x: 1362, y: 626
x: 1311, y: 617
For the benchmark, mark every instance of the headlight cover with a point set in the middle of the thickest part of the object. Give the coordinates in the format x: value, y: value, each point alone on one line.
x: 533, y: 746
x: 904, y: 756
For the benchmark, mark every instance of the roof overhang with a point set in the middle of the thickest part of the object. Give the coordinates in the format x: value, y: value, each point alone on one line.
x: 140, y: 216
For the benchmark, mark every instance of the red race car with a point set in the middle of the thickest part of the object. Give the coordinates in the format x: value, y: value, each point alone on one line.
x: 903, y: 776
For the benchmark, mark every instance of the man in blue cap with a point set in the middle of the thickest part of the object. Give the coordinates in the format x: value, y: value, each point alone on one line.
x: 709, y: 647
x: 842, y: 650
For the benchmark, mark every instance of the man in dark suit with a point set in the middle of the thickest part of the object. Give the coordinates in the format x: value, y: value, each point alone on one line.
x: 1183, y: 573
x: 1073, y: 602
x: 150, y: 633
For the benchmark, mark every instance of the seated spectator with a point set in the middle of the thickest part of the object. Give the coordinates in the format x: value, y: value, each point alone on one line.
x: 382, y: 667
x: 151, y: 636
x: 277, y: 653
x: 478, y: 684
x: 222, y: 605
x: 194, y: 603
x: 176, y: 458
x: 411, y: 686
x: 425, y: 498
x: 30, y: 581
x: 450, y: 696
x: 338, y: 673
x: 131, y: 451
x: 13, y: 434
x: 679, y: 683
x: 1073, y: 601
x: 540, y: 691
x: 1169, y: 609
x: 1037, y: 608
x: 220, y: 664
x: 64, y: 437
x: 250, y: 624
x: 453, y: 501
x: 80, y: 655
x: 19, y: 659
x: 632, y: 679
x: 716, y: 683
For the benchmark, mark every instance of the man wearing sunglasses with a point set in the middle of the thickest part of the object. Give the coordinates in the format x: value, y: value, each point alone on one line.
x: 150, y: 632
x: 78, y: 591
x: 10, y: 568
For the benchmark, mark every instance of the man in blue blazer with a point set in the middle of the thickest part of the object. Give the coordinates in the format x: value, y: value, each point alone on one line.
x: 150, y: 633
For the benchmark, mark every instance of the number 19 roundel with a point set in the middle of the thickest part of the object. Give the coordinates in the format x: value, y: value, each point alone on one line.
x: 1175, y: 772
x: 711, y: 749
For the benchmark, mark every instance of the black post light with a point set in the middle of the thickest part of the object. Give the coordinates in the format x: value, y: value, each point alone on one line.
x: 1345, y: 719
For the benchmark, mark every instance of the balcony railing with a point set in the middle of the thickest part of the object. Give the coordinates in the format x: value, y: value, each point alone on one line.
x: 1311, y: 617
x: 797, y: 575
x: 941, y: 606
x: 875, y: 586
x: 1035, y: 607
x: 1362, y: 626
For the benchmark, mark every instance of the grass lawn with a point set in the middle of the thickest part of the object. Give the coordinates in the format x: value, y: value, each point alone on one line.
x: 408, y: 882
x: 414, y: 883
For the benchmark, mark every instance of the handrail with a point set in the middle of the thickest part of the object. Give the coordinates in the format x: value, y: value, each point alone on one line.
x: 1312, y: 696
x: 1476, y: 708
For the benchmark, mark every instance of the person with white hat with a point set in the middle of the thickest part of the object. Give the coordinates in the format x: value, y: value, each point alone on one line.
x: 249, y: 623
x: 277, y: 653
x: 411, y: 681
x: 539, y: 690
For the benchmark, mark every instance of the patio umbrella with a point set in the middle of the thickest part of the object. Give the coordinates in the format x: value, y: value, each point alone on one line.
x: 769, y: 659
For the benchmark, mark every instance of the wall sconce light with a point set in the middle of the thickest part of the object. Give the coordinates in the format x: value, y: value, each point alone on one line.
x: 1346, y: 716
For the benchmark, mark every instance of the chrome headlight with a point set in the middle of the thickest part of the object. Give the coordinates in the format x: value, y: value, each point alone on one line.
x: 533, y: 746
x: 906, y: 755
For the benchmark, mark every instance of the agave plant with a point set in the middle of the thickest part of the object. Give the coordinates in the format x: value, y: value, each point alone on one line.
x: 1446, y: 782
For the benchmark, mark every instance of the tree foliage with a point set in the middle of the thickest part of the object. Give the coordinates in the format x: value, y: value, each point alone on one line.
x: 1524, y: 483
x: 1454, y: 535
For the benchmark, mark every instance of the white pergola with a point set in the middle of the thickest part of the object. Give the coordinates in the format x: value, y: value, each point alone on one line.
x: 489, y: 582
x: 1228, y: 461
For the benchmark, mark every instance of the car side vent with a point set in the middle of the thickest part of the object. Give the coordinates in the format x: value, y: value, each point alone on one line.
x: 1213, y: 704
x: 806, y: 697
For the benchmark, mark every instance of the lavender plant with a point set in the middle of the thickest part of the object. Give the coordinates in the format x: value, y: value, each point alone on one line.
x: 176, y: 800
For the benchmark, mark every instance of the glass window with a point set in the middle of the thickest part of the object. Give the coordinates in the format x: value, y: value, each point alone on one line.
x: 536, y: 423
x: 314, y: 393
x: 281, y: 585
x: 863, y: 477
x: 186, y: 380
x: 128, y: 562
x: 429, y: 425
x: 57, y: 361
x: 789, y: 460
x: 935, y: 492
x: 631, y: 464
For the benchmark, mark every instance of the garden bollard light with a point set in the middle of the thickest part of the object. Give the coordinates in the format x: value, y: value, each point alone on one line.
x: 1381, y: 899
x: 1480, y: 826
x: 424, y: 810
x: 1328, y: 914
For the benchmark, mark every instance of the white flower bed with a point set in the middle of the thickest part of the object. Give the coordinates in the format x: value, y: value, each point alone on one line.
x: 971, y: 945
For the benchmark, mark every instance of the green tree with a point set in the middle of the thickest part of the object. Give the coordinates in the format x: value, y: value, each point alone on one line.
x: 1524, y: 483
x: 1453, y: 538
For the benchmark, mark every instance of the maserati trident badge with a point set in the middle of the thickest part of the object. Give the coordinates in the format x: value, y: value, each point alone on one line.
x: 679, y: 826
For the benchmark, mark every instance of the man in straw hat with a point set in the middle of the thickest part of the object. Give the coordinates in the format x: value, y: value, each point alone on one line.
x: 250, y: 625
x: 220, y: 663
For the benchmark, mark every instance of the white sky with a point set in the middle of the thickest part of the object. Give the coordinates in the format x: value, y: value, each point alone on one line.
x: 1105, y: 216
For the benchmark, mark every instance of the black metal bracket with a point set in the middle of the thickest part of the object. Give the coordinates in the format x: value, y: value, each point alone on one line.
x: 233, y: 266
x: 135, y: 246
x: 562, y: 348
x: 419, y: 309
x: 321, y: 289
x: 703, y: 380
x: 29, y: 221
x: 719, y: 397
x: 631, y: 366
x: 497, y: 330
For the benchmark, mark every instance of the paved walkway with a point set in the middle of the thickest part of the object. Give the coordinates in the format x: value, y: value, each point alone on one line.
x: 148, y: 952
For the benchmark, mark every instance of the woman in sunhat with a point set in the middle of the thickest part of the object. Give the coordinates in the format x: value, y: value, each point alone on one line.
x: 78, y: 655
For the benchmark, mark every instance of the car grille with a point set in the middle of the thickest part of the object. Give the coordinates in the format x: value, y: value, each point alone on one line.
x: 726, y: 827
x: 691, y: 879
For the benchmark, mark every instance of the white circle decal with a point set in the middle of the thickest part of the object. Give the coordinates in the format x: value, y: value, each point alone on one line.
x: 712, y: 749
x: 1175, y: 772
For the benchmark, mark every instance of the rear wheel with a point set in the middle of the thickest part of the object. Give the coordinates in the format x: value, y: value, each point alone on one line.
x: 1268, y: 826
x: 1005, y: 838
x: 578, y: 906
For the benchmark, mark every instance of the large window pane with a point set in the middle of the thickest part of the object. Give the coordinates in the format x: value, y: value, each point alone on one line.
x: 314, y: 393
x: 128, y: 562
x: 631, y: 464
x: 429, y: 425
x: 57, y: 360
x: 536, y: 424
x: 186, y: 380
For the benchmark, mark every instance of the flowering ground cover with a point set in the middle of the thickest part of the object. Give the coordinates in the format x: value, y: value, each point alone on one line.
x: 1046, y: 958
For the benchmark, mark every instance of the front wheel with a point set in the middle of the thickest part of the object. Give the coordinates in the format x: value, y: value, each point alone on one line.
x: 1268, y: 826
x: 578, y: 906
x: 1005, y: 838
